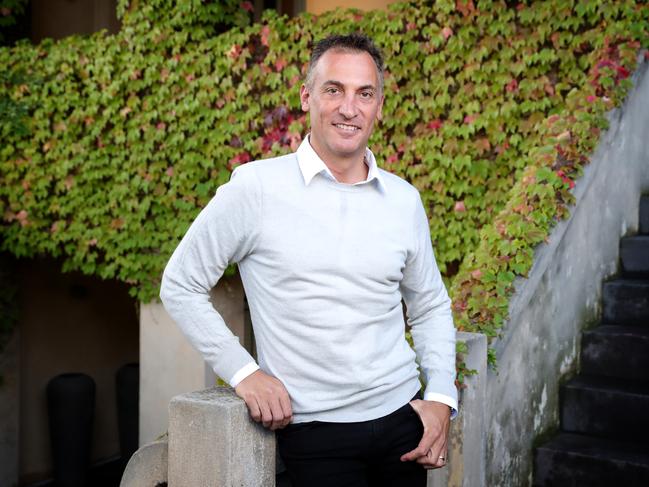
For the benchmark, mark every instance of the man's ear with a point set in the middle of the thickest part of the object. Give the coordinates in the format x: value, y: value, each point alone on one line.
x: 304, y: 98
x: 379, y: 113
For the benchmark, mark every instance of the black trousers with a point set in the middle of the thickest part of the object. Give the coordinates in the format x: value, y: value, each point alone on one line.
x: 362, y: 454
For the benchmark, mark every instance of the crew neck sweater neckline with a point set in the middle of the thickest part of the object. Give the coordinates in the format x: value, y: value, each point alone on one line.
x: 345, y: 187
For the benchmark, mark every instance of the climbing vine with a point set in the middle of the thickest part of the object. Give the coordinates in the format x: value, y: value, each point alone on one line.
x: 491, y: 108
x: 541, y: 195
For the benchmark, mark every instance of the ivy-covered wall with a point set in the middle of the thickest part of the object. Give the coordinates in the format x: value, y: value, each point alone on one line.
x: 491, y: 107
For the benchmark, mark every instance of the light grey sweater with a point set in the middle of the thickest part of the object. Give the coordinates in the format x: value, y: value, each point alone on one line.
x: 324, y: 267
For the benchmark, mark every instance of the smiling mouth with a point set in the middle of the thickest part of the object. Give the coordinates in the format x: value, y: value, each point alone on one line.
x: 347, y: 128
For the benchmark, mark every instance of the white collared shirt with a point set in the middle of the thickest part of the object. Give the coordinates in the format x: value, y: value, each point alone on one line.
x: 311, y: 164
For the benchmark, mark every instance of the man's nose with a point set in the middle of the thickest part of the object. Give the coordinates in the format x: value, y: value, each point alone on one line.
x: 347, y: 107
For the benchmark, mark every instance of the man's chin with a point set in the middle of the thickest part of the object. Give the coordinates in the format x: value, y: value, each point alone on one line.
x: 349, y: 150
x: 349, y: 145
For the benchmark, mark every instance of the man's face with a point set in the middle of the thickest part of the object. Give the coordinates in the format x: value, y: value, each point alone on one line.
x: 343, y: 102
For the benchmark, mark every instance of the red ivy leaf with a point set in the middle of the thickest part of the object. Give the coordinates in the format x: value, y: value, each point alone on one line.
x: 240, y: 158
x: 622, y: 72
x: 435, y: 124
x: 280, y: 64
x: 234, y: 52
x: 265, y: 32
x: 469, y: 119
x: 566, y: 179
x: 465, y: 7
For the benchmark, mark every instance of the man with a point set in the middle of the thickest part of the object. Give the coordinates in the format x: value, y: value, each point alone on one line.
x: 327, y: 246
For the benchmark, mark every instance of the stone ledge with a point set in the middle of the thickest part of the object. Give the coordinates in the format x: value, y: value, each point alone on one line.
x: 147, y: 467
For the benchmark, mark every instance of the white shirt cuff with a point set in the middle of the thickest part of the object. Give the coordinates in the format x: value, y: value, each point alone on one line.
x: 243, y: 372
x: 444, y: 399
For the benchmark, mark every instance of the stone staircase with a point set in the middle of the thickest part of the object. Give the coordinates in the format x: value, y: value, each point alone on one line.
x: 604, y: 430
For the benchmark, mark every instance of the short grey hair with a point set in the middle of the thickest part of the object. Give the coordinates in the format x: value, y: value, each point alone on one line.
x: 355, y: 42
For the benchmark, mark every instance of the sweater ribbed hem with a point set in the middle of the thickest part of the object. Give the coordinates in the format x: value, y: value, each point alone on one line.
x: 359, y: 411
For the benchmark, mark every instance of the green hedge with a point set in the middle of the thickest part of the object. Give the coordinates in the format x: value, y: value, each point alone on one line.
x: 129, y: 135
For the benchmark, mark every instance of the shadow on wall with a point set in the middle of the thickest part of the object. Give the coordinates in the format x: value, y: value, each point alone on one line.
x: 71, y: 323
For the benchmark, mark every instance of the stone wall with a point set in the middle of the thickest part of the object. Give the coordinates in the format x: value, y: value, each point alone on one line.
x: 539, y: 346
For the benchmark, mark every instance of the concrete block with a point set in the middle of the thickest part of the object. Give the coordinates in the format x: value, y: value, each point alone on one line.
x: 147, y: 467
x: 466, y: 448
x: 213, y: 442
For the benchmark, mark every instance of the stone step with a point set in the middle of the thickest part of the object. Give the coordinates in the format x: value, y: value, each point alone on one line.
x: 634, y: 255
x: 644, y: 215
x: 626, y: 302
x: 606, y: 407
x: 570, y: 460
x: 616, y: 351
x: 282, y: 480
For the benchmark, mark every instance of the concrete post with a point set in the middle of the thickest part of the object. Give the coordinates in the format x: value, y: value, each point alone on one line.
x: 213, y: 442
x: 466, y: 448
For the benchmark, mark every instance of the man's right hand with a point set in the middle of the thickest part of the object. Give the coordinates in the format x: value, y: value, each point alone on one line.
x: 267, y: 399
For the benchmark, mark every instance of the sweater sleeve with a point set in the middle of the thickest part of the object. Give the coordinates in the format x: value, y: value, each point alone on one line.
x: 428, y: 310
x: 223, y: 233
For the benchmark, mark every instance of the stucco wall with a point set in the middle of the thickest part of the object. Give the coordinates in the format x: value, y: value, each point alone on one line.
x: 169, y: 365
x: 540, y: 343
x: 70, y: 323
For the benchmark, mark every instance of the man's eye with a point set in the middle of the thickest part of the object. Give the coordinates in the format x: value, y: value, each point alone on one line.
x: 366, y: 94
x: 331, y: 90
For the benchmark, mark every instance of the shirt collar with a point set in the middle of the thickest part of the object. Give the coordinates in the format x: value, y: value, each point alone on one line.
x: 311, y: 164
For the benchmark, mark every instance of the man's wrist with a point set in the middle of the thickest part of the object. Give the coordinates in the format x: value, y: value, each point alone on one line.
x: 444, y: 399
x: 242, y: 373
